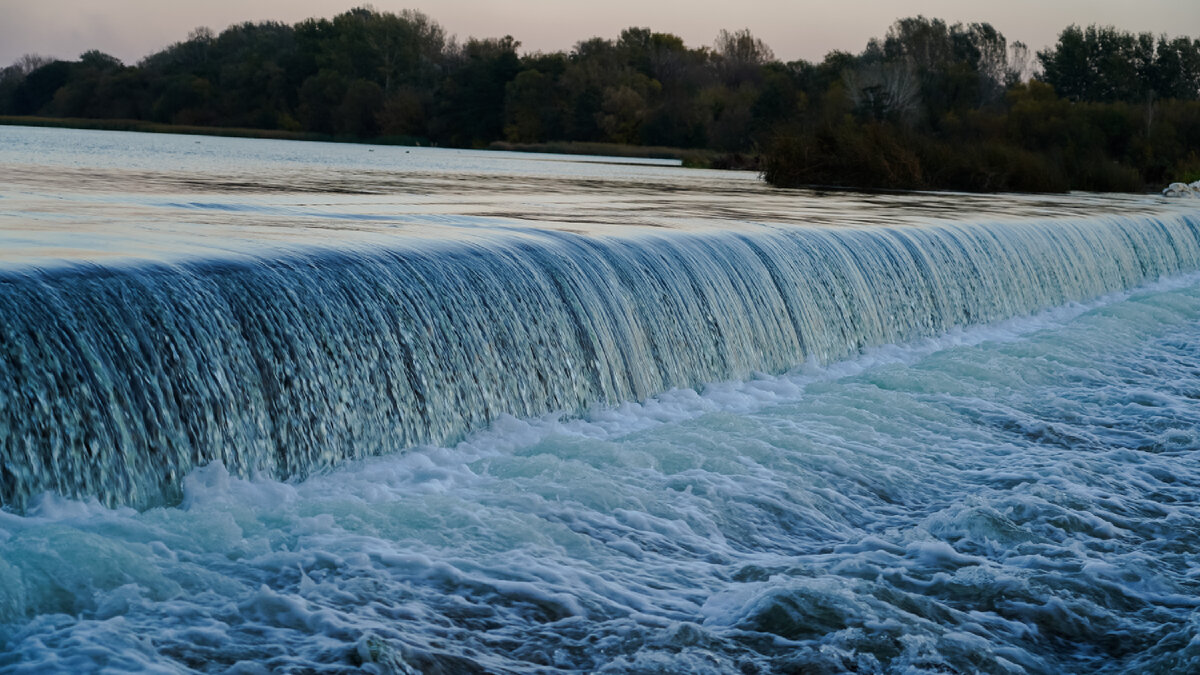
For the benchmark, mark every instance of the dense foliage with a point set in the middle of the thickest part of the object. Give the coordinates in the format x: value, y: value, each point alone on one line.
x: 930, y: 105
x: 952, y: 107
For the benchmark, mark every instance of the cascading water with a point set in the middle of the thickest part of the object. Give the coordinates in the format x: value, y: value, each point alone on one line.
x: 289, y: 407
x: 118, y: 381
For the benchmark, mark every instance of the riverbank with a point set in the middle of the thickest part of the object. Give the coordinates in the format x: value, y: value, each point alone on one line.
x: 697, y: 158
x: 157, y: 128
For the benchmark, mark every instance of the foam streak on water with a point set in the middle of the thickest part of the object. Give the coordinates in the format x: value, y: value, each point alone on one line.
x: 1019, y: 497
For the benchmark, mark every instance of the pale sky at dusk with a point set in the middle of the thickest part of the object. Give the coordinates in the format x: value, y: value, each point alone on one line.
x: 131, y: 29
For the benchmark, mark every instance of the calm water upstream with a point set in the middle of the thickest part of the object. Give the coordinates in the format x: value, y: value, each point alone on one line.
x: 290, y: 407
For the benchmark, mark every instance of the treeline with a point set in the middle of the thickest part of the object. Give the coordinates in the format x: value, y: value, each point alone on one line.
x: 934, y: 106
x: 930, y: 105
x: 366, y: 74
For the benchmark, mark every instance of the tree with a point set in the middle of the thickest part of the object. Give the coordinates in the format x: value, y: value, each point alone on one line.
x: 1177, y: 68
x: 625, y: 107
x: 357, y: 115
x: 740, y: 55
x: 472, y: 97
x: 1020, y: 65
x: 957, y: 67
x: 884, y: 90
x: 532, y: 110
x: 38, y: 88
x: 1101, y: 63
x: 405, y: 112
x: 320, y: 97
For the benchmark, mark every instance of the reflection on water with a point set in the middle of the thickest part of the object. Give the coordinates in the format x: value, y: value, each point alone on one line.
x: 73, y: 194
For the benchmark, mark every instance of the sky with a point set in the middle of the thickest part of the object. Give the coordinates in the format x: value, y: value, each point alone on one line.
x: 132, y: 29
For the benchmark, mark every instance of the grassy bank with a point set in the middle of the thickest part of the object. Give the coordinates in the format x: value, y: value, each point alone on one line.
x: 230, y: 132
x: 690, y: 157
x: 156, y: 128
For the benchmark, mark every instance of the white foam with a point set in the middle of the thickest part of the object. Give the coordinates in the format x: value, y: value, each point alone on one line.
x: 856, y: 513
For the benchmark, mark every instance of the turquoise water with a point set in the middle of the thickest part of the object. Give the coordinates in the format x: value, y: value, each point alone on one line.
x: 1011, y: 498
x: 482, y: 415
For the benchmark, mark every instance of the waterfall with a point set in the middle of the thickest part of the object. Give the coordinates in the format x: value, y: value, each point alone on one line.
x: 117, y: 380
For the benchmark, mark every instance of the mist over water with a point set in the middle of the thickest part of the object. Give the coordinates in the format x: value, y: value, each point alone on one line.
x: 994, y: 473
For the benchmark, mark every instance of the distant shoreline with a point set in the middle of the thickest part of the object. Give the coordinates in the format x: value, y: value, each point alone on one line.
x: 160, y: 128
x: 692, y: 158
x: 695, y: 158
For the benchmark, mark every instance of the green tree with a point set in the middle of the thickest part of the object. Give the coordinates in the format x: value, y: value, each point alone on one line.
x: 37, y: 89
x: 531, y: 110
x: 1177, y: 69
x: 1101, y: 63
x: 357, y: 114
x: 406, y: 112
x: 471, y: 110
x: 320, y: 97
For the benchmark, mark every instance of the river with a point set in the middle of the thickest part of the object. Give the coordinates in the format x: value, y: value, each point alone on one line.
x: 275, y: 406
